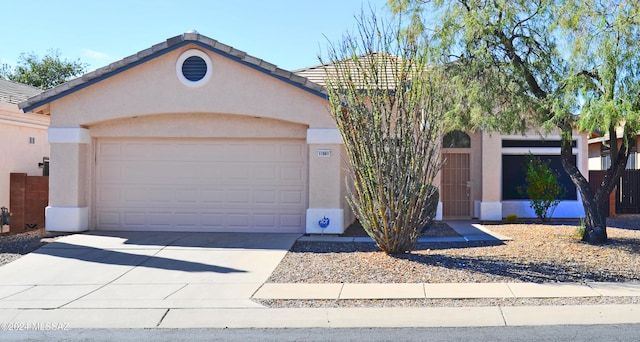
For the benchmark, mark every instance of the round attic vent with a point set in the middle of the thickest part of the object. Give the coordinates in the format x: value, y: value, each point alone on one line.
x: 193, y: 68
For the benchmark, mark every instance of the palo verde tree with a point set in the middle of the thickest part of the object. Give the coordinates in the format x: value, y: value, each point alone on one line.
x: 388, y: 107
x: 555, y: 64
x: 44, y: 73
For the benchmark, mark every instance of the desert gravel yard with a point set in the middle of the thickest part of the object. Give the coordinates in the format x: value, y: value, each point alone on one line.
x: 538, y: 253
x: 13, y: 246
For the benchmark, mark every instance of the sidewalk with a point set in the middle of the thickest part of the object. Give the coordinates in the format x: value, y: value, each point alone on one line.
x: 445, y: 291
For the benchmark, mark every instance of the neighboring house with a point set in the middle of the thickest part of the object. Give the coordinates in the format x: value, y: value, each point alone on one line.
x: 194, y: 135
x: 23, y: 136
x: 624, y: 198
x: 600, y: 152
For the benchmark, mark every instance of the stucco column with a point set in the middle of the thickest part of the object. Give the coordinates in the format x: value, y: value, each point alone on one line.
x: 325, y: 182
x: 437, y: 181
x: 67, y: 210
x: 491, y: 204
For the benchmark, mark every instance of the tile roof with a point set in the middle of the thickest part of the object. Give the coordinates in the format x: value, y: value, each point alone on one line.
x: 165, y: 47
x: 384, y: 63
x: 315, y: 74
x: 14, y: 92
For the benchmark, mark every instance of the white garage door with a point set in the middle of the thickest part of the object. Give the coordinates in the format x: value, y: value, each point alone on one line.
x: 201, y: 185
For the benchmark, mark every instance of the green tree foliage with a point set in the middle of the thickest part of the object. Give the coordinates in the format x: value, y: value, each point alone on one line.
x: 44, y: 73
x: 542, y: 187
x: 554, y: 64
x: 388, y: 107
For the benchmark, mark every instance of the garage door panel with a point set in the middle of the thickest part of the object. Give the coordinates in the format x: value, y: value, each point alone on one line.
x: 265, y: 197
x: 292, y: 152
x: 212, y: 185
x: 291, y: 173
x: 167, y: 198
x: 109, y: 218
x: 224, y: 221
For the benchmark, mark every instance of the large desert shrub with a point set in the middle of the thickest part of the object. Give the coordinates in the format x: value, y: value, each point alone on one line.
x: 388, y: 105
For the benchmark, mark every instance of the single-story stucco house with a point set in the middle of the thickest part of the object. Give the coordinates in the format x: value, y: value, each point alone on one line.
x: 23, y: 136
x: 191, y: 134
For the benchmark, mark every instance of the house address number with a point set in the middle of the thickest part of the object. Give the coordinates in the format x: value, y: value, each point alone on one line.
x: 324, y: 153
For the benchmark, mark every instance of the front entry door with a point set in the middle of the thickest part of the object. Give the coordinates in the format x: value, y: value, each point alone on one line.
x: 456, y: 184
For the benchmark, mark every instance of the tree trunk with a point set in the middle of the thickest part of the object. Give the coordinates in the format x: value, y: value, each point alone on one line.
x: 595, y: 231
x: 595, y: 226
x: 595, y: 220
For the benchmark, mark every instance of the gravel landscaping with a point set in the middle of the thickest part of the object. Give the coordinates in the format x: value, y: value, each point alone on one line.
x: 13, y: 246
x: 538, y: 253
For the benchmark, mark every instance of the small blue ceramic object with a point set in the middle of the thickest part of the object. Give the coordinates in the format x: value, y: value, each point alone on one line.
x: 324, y: 222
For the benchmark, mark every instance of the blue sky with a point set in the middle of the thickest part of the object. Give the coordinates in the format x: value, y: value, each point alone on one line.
x: 288, y: 33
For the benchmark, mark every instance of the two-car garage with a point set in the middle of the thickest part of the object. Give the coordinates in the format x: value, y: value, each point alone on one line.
x: 201, y: 184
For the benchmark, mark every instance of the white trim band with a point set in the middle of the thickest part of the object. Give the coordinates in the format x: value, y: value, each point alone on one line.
x: 324, y: 136
x: 68, y: 135
x: 491, y: 211
x: 66, y: 219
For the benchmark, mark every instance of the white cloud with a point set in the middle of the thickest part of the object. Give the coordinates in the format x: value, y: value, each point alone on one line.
x: 95, y: 55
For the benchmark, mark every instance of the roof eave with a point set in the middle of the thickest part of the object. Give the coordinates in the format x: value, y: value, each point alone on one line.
x: 160, y: 49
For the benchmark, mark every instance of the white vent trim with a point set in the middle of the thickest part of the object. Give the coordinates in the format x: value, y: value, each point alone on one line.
x: 324, y: 136
x: 183, y: 57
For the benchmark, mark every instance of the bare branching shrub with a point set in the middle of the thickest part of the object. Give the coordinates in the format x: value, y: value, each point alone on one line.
x: 388, y: 105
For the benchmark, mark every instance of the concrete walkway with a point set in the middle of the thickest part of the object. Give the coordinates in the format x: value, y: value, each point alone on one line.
x: 468, y: 231
x: 187, y: 280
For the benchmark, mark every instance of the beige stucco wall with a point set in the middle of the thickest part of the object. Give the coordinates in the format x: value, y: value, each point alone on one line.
x: 154, y: 88
x: 491, y: 167
x: 18, y: 155
x: 476, y: 170
x: 69, y: 168
x: 149, y: 100
x: 199, y: 125
x: 346, y: 181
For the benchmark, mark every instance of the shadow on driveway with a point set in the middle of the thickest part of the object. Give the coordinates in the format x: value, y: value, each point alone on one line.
x: 114, y: 257
x: 255, y: 241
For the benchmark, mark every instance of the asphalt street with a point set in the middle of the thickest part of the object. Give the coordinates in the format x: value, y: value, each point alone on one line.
x: 609, y: 333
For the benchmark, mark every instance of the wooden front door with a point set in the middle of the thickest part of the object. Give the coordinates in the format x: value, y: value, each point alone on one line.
x: 456, y: 184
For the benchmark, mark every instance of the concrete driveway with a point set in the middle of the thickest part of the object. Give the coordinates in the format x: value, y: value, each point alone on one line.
x: 143, y: 270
